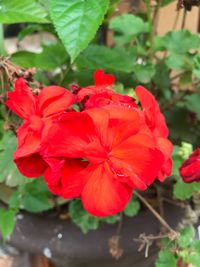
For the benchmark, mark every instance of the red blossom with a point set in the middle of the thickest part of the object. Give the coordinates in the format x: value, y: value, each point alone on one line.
x: 190, y: 169
x: 101, y: 94
x: 38, y: 114
x: 156, y: 123
x: 120, y: 151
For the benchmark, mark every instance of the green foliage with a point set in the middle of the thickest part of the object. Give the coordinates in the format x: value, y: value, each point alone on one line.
x: 180, y: 42
x: 81, y: 218
x: 96, y: 56
x: 54, y: 51
x: 127, y: 27
x: 144, y: 73
x: 7, y: 222
x: 77, y: 22
x: 166, y: 259
x: 184, y: 191
x: 33, y: 197
x: 9, y: 173
x: 17, y: 11
x: 191, y: 102
x: 185, y: 251
x: 133, y: 207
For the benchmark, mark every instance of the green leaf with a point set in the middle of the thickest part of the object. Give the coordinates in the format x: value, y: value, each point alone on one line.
x: 186, y: 237
x: 18, y: 11
x: 81, y: 218
x: 166, y: 259
x: 132, y: 208
x: 144, y: 73
x: 35, y: 197
x: 7, y: 222
x: 182, y: 41
x: 77, y: 22
x: 127, y: 27
x: 8, y: 170
x: 191, y: 102
x: 52, y: 56
x: 165, y: 2
x: 197, y: 65
x: 184, y: 191
x: 109, y: 59
x: 111, y: 219
x: 179, y: 62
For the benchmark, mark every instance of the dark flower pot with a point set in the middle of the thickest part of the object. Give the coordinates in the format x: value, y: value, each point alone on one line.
x: 66, y: 246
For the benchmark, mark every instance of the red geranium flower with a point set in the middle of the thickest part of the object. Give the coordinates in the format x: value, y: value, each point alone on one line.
x: 190, y: 170
x: 38, y: 113
x: 101, y: 94
x: 156, y: 123
x: 120, y: 151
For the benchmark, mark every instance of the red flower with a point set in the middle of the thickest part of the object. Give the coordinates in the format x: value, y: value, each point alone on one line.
x: 120, y: 152
x: 101, y: 94
x: 190, y: 170
x: 38, y: 113
x: 156, y: 123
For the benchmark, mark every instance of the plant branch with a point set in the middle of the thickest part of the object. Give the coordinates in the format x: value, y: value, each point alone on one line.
x: 156, y: 214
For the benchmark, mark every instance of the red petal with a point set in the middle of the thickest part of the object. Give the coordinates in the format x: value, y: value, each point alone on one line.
x: 140, y: 153
x: 103, y: 195
x: 54, y: 99
x: 66, y: 177
x: 31, y: 166
x: 21, y: 100
x: 102, y: 79
x: 69, y: 137
x: 154, y: 117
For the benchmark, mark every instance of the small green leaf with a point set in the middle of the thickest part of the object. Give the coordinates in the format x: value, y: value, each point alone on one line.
x: 144, y: 73
x: 77, y: 22
x: 186, y: 237
x: 7, y: 222
x: 182, y: 41
x: 127, y: 27
x: 109, y: 59
x: 179, y: 62
x: 8, y: 170
x: 132, y: 208
x: 52, y: 56
x: 166, y: 259
x: 197, y: 65
x: 35, y: 197
x: 18, y: 11
x: 111, y: 219
x: 81, y: 218
x: 191, y: 102
x: 184, y: 191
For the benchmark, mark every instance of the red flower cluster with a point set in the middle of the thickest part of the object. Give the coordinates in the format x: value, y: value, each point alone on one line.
x: 190, y: 170
x: 100, y: 154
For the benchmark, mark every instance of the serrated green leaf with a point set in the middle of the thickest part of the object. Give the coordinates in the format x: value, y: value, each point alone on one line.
x: 197, y: 65
x: 81, y: 218
x: 166, y: 259
x: 182, y: 41
x: 132, y: 207
x: 144, y: 73
x: 191, y: 102
x: 77, y: 22
x: 186, y: 237
x: 109, y: 59
x: 127, y: 27
x: 179, y: 62
x: 35, y: 197
x: 18, y: 11
x: 7, y: 222
x: 8, y: 170
x: 52, y: 56
x: 111, y: 219
x: 184, y: 191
